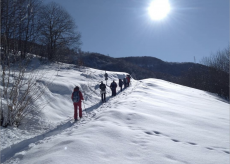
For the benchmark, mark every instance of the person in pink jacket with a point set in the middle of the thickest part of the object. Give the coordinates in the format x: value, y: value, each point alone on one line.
x: 77, y: 98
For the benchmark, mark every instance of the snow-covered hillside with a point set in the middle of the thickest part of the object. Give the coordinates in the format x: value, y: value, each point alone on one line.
x: 152, y: 121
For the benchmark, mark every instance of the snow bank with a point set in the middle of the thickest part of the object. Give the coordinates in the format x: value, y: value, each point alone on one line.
x: 57, y: 99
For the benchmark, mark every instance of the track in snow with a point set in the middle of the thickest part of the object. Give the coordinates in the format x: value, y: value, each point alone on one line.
x: 88, y: 115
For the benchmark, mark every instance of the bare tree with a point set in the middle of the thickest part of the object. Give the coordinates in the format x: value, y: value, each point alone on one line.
x: 219, y: 61
x: 30, y: 25
x: 19, y: 92
x: 8, y: 27
x: 58, y: 29
x: 19, y: 26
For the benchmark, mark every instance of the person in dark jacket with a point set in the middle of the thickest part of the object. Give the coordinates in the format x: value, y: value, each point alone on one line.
x: 103, y: 91
x: 120, y: 84
x: 113, y: 87
x: 77, y: 98
x: 124, y: 81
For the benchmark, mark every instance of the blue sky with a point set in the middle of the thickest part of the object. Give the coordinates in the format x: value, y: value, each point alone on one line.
x: 121, y: 28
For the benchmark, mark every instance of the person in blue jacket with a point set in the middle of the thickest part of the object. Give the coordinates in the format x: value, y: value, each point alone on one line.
x: 113, y: 87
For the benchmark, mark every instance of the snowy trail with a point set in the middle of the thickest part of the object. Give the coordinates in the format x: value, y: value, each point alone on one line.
x: 88, y: 115
x: 24, y: 145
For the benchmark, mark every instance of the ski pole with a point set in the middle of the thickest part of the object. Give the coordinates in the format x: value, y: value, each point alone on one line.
x: 84, y: 104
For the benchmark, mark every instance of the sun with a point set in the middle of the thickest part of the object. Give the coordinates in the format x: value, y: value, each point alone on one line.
x: 159, y: 9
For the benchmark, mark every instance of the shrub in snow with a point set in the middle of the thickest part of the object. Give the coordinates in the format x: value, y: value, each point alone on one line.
x: 19, y: 91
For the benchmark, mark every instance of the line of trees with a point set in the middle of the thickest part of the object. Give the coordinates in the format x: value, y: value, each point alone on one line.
x: 214, y: 78
x: 220, y: 60
x: 211, y: 80
x: 28, y: 26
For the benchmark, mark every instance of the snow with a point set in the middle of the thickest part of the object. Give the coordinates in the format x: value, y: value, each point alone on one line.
x: 152, y: 121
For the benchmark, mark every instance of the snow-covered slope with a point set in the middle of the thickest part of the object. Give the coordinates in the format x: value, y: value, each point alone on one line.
x: 152, y: 121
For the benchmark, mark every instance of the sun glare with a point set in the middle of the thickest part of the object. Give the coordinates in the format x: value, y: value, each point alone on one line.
x: 159, y: 9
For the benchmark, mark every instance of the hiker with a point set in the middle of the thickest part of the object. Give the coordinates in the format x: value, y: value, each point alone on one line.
x: 124, y: 81
x: 113, y: 87
x: 128, y: 79
x: 120, y: 84
x: 103, y: 92
x: 76, y: 98
x: 106, y: 77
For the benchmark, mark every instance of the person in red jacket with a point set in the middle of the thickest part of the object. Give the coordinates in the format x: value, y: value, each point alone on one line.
x: 128, y: 80
x: 77, y: 98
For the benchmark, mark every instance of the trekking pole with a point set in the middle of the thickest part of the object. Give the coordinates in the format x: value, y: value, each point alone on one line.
x: 84, y: 104
x: 83, y: 101
x: 84, y: 109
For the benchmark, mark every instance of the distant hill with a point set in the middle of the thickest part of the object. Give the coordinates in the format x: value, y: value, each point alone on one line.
x: 157, y: 65
x: 189, y: 74
x: 140, y: 67
x: 99, y: 61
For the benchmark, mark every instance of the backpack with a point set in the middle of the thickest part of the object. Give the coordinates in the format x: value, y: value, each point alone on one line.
x: 76, y: 96
x: 124, y: 80
x: 127, y: 79
x: 120, y: 82
x: 103, y: 87
x: 113, y: 85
